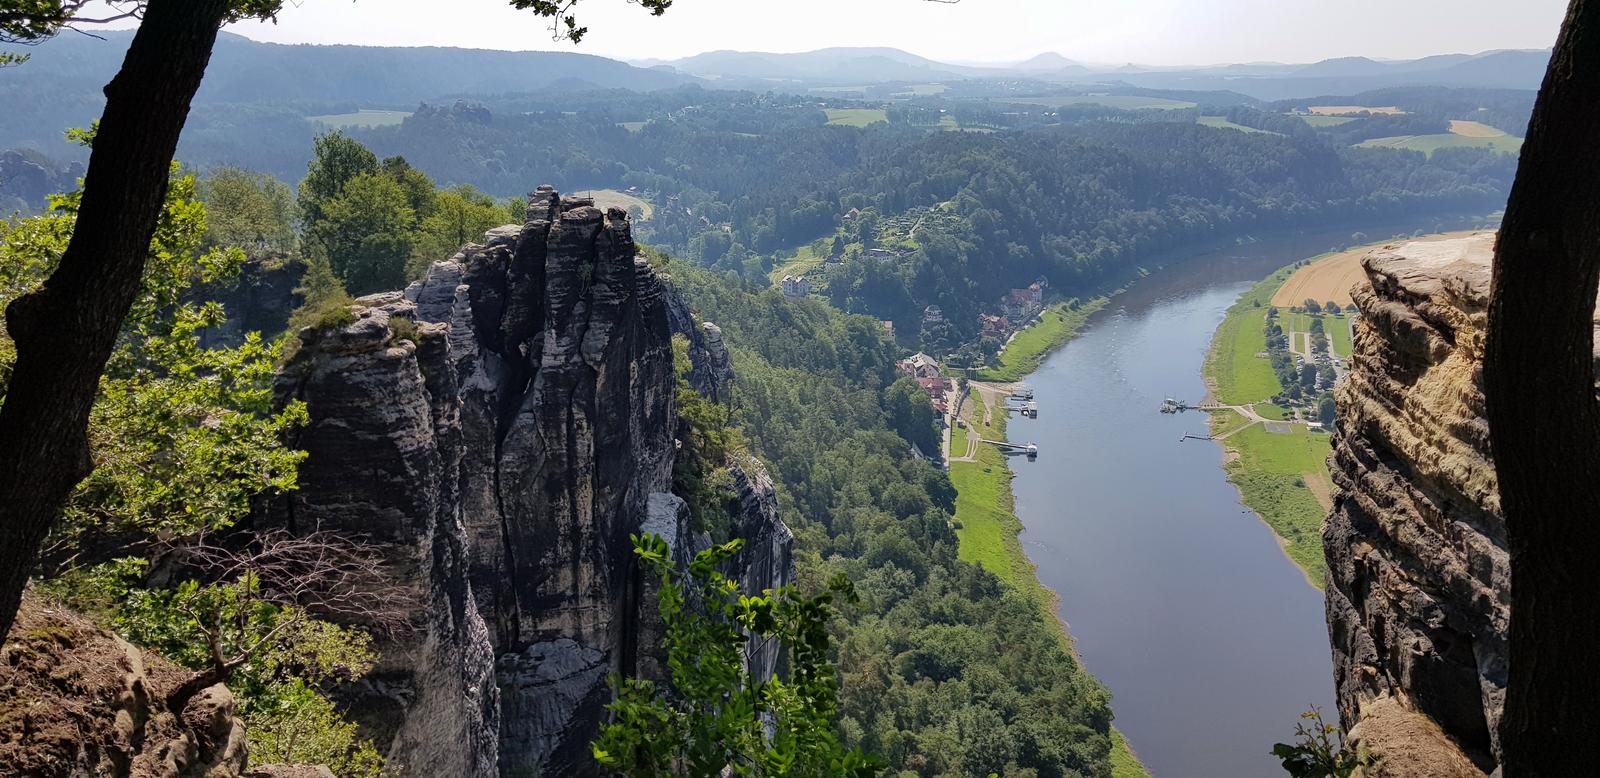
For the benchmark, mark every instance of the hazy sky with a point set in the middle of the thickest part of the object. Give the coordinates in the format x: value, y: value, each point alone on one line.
x: 1103, y: 31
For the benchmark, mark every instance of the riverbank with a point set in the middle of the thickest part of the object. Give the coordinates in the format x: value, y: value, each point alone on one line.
x: 1280, y: 469
x: 988, y: 530
x: 1026, y: 349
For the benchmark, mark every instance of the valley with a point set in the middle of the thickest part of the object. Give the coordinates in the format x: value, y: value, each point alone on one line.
x: 844, y: 412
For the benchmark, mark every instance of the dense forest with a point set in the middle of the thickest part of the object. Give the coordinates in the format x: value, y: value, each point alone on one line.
x: 1076, y: 193
x: 945, y: 669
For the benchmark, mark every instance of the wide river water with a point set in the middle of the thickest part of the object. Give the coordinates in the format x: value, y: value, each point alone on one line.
x: 1179, y: 599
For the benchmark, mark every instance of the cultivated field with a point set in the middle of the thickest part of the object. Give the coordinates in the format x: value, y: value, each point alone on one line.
x: 1126, y: 102
x: 611, y: 198
x: 1222, y: 122
x: 923, y: 90
x: 361, y: 118
x: 1341, y: 110
x: 1468, y: 129
x: 1332, y: 277
x: 1325, y: 121
x: 1504, y: 144
x: 857, y: 117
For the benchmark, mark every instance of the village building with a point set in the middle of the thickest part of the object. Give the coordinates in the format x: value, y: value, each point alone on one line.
x: 888, y: 326
x: 1023, y: 304
x: 931, y: 314
x: 991, y: 326
x: 920, y: 366
x: 936, y: 389
x: 796, y: 287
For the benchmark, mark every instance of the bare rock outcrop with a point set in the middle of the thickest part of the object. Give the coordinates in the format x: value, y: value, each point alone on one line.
x: 384, y: 459
x: 505, y: 424
x: 1419, y: 580
x: 77, y: 700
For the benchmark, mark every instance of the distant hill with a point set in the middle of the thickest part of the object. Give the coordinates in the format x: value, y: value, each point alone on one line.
x: 1049, y: 61
x: 1505, y: 69
x: 60, y: 86
x: 1508, y: 69
x: 864, y: 65
x: 1342, y: 66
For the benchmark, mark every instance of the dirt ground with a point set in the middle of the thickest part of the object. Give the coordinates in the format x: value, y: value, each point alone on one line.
x: 1332, y: 277
x: 1320, y: 487
x: 1468, y: 129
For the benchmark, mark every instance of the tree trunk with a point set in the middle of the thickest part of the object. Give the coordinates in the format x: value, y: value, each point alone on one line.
x: 1544, y: 421
x: 65, y: 332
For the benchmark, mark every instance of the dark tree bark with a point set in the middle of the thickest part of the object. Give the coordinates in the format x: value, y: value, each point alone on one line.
x: 1544, y: 421
x: 65, y: 332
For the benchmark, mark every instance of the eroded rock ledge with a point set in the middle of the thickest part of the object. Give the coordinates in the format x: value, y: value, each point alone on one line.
x: 1418, y: 596
x: 502, y: 426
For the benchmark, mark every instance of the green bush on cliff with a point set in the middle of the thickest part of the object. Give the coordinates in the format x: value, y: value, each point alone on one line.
x: 184, y: 438
x: 718, y: 713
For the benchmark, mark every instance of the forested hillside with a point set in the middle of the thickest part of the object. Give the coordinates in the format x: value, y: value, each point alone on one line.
x: 945, y: 669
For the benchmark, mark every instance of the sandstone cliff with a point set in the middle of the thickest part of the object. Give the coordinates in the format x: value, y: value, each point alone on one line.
x: 1419, y: 576
x: 503, y: 425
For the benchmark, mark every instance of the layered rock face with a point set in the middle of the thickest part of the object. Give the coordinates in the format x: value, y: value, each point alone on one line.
x: 507, y: 439
x: 384, y: 462
x: 1419, y: 579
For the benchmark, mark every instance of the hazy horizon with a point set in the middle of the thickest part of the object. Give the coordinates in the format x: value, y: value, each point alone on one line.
x: 1108, y: 32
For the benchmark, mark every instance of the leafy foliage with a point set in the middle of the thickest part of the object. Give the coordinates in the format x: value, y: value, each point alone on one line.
x: 716, y: 714
x: 380, y: 224
x: 248, y: 210
x: 184, y: 437
x: 1320, y: 750
x: 700, y: 472
x: 944, y: 669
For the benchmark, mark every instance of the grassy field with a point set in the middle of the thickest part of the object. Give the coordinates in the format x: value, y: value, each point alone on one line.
x: 361, y: 118
x: 1339, y: 110
x: 804, y: 260
x: 1336, y: 327
x: 1124, y: 763
x: 1279, y: 474
x: 1271, y: 472
x: 611, y: 198
x: 1238, y: 375
x: 857, y: 117
x: 1325, y: 121
x: 923, y: 90
x: 988, y: 527
x: 1224, y: 422
x: 632, y: 126
x: 1126, y: 102
x: 1221, y: 122
x: 1505, y: 144
x: 1270, y: 411
x: 1055, y: 326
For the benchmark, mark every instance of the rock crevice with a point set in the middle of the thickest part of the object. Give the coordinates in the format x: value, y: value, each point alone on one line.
x: 505, y: 424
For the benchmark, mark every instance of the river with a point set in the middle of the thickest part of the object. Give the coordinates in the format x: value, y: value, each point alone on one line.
x: 1179, y: 599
